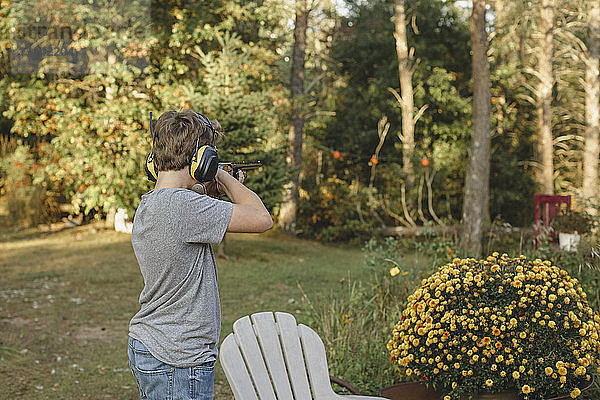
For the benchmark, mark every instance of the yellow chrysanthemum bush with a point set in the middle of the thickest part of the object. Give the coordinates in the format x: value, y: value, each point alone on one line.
x: 499, y: 324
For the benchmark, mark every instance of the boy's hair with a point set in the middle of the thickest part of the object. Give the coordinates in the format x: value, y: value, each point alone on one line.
x: 177, y: 137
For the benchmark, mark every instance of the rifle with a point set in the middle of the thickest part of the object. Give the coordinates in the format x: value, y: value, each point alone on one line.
x: 232, y: 168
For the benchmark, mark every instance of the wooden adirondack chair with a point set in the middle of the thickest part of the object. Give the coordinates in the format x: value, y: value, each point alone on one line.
x: 270, y: 357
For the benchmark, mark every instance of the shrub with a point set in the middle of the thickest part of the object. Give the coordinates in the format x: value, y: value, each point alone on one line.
x: 21, y: 192
x: 499, y: 324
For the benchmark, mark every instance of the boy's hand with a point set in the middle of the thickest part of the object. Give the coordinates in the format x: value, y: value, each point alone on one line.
x: 241, y: 176
x: 222, y: 177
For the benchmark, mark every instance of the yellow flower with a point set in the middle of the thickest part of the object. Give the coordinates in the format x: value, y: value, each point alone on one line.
x: 526, y: 389
x: 548, y: 371
x: 489, y: 382
x: 394, y: 271
x: 517, y: 284
x: 575, y: 393
x: 516, y: 374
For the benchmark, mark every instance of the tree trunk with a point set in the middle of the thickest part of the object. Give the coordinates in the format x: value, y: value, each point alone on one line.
x: 592, y: 113
x: 478, y: 168
x: 545, y: 173
x: 406, y: 90
x: 289, y: 208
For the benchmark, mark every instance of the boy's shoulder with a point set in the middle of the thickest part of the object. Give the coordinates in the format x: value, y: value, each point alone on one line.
x: 170, y: 193
x: 175, y: 198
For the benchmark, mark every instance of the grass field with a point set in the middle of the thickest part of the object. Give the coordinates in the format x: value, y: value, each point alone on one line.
x: 66, y: 299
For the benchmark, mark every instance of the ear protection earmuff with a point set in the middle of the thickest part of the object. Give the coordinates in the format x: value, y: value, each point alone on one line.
x: 151, y: 172
x: 204, y: 162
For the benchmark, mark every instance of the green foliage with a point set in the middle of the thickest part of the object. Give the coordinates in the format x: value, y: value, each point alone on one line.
x: 89, y: 119
x: 20, y: 188
x: 354, y: 334
x: 356, y: 319
x: 331, y: 211
x: 363, y: 67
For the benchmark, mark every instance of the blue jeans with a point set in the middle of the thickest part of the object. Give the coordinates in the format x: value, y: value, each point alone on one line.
x: 159, y: 381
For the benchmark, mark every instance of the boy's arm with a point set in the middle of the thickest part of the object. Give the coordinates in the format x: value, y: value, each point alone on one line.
x: 249, y: 213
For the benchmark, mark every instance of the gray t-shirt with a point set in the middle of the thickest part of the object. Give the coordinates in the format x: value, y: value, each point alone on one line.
x: 180, y: 316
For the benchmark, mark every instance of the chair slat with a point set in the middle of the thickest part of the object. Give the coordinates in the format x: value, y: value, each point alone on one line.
x: 284, y: 345
x: 266, y: 331
x: 292, y: 350
x: 316, y: 363
x: 235, y: 370
x: 246, y: 339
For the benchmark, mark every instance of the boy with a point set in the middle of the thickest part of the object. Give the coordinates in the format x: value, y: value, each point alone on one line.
x: 173, y: 338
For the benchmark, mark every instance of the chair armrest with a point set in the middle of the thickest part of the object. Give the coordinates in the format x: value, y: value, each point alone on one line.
x: 344, y: 384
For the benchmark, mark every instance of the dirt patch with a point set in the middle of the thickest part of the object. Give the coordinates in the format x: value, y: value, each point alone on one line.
x: 18, y: 321
x: 95, y: 333
x: 222, y: 391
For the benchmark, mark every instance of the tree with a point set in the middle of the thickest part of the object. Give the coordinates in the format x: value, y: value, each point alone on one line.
x: 592, y: 111
x: 92, y: 124
x: 512, y: 183
x: 245, y: 110
x: 287, y: 215
x: 544, y: 99
x: 406, y: 89
x: 478, y: 167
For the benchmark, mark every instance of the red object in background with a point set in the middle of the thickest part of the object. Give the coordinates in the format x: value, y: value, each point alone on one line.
x: 425, y: 162
x: 550, y: 206
x: 336, y: 154
x: 374, y: 160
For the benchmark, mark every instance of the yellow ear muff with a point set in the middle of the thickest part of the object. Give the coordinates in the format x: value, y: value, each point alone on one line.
x: 204, y: 164
x: 151, y: 168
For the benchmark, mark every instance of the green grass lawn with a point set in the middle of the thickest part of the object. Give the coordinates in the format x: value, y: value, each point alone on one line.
x: 66, y: 299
